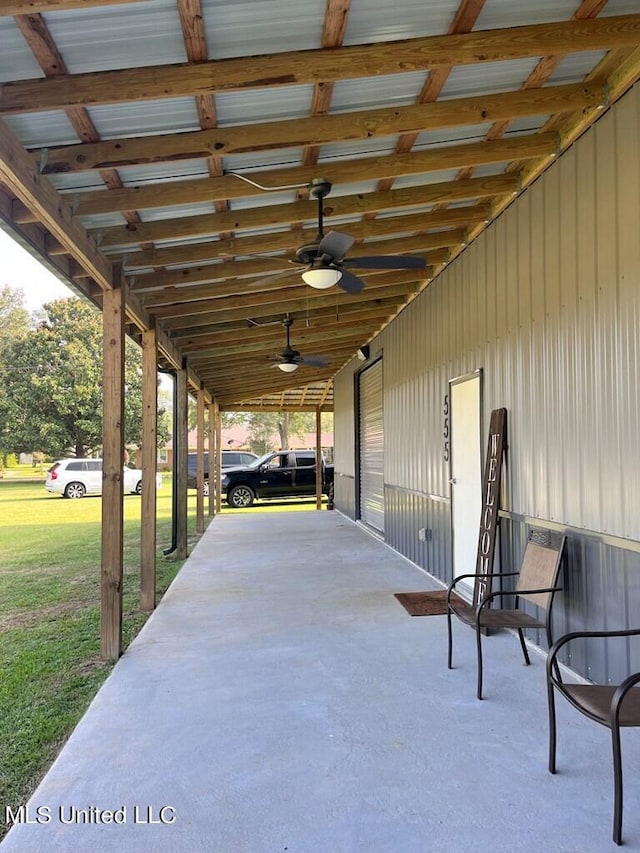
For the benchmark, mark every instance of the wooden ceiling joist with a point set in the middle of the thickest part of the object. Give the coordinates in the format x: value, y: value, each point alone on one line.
x: 322, y: 129
x: 232, y: 247
x: 188, y: 227
x: 251, y: 309
x: 343, y: 171
x: 299, y: 67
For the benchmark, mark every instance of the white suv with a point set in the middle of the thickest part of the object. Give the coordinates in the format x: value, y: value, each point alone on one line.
x: 75, y: 478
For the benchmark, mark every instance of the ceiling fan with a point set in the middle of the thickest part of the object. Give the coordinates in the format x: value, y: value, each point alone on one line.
x: 324, y: 263
x: 290, y: 359
x: 324, y: 260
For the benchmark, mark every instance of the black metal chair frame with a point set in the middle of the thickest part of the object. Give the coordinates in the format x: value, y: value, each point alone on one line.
x: 482, y: 617
x: 604, y: 704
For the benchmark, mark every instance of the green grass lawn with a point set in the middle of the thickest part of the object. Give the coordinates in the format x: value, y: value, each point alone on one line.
x: 50, y: 616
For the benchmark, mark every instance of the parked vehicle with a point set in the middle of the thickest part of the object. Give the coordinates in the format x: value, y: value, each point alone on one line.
x: 75, y: 478
x: 230, y: 459
x: 283, y: 473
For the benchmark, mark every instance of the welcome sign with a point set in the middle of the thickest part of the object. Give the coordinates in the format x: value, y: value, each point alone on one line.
x: 496, y: 447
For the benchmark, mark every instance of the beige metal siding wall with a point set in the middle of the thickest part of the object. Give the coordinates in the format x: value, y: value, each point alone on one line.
x: 344, y: 453
x: 344, y: 424
x: 547, y: 302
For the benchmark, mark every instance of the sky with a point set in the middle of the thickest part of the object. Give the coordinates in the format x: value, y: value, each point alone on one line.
x: 19, y: 269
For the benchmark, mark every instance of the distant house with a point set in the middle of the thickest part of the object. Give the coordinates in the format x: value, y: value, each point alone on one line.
x: 237, y: 438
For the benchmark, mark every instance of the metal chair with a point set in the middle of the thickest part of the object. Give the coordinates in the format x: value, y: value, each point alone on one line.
x: 613, y: 706
x: 537, y: 583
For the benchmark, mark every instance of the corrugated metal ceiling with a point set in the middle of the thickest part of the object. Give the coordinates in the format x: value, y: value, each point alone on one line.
x: 172, y: 208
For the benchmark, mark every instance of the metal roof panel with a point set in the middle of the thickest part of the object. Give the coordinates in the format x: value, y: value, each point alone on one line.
x: 153, y: 173
x: 451, y: 136
x: 498, y: 14
x: 379, y: 20
x: 263, y: 104
x: 252, y: 27
x: 176, y: 211
x: 264, y: 160
x: 139, y: 34
x: 17, y: 62
x: 145, y: 118
x: 387, y: 90
x: 375, y: 147
x: 41, y: 130
x: 574, y: 67
x: 487, y: 77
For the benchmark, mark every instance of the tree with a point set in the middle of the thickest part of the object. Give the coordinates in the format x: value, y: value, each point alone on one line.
x: 14, y: 325
x: 52, y: 378
x: 14, y: 317
x: 267, y: 429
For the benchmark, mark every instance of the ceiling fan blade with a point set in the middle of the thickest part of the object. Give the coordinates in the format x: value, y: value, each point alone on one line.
x: 314, y: 360
x: 387, y: 262
x: 350, y: 282
x: 336, y: 245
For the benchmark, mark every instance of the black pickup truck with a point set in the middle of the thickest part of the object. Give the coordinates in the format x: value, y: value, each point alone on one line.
x: 283, y: 473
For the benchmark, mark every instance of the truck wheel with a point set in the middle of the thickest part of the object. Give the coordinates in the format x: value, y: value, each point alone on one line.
x: 205, y: 489
x: 240, y: 496
x: 139, y: 487
x: 75, y: 490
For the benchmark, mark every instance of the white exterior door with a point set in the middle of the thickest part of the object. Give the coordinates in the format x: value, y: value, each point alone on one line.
x: 466, y: 476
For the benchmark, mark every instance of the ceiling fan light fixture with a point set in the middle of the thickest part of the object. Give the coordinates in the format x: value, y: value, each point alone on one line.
x: 321, y: 277
x: 288, y: 366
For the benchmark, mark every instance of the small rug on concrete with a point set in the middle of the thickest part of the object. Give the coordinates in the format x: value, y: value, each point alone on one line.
x: 431, y: 603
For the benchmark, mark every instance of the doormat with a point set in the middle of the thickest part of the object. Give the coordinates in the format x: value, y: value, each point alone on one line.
x: 431, y: 603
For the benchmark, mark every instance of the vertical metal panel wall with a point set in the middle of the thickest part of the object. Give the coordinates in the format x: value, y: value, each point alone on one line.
x: 371, y: 446
x: 344, y: 452
x: 547, y: 302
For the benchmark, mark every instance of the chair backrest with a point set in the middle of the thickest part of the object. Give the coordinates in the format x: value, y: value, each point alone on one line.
x: 540, y: 565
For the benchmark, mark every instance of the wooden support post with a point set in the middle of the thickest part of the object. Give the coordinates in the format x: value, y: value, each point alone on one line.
x: 319, y: 470
x: 181, y: 450
x: 112, y: 465
x: 200, y: 461
x: 218, y: 459
x: 149, y: 465
x: 213, y: 489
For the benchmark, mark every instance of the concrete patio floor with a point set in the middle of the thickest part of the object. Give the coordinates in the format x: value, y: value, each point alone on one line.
x: 280, y: 699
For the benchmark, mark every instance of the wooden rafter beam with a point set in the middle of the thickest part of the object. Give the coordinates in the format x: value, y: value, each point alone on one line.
x: 260, y: 404
x: 308, y: 67
x: 322, y: 129
x: 240, y: 308
x: 120, y: 237
x: 234, y: 246
x: 274, y: 341
x: 174, y: 286
x: 436, y: 159
x: 324, y: 317
x: 242, y: 298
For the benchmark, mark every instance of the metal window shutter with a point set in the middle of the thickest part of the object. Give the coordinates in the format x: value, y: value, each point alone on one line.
x: 372, y: 447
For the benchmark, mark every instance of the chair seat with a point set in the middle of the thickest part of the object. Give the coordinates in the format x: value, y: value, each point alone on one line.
x: 497, y: 618
x: 595, y: 700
